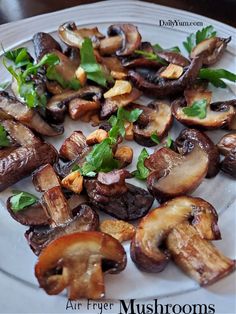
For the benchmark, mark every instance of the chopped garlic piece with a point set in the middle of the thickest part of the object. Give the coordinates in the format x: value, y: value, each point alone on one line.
x: 121, y: 87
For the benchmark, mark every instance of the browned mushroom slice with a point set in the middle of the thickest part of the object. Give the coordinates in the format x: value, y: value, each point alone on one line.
x: 109, y: 45
x: 74, y: 36
x: 212, y: 49
x: 174, y: 58
x: 57, y: 105
x: 81, y: 107
x: 112, y: 195
x: 115, y: 66
x: 45, y: 178
x: 27, y: 116
x: 77, y: 262
x: 155, y: 86
x: 33, y: 215
x: 197, y: 257
x: 44, y: 43
x: 227, y: 142
x: 4, y: 115
x: 112, y: 104
x: 130, y: 35
x: 173, y: 174
x: 73, y: 146
x: 147, y: 250
x: 228, y: 165
x: 124, y: 154
x: 22, y: 161
x: 218, y: 114
x: 189, y: 138
x: 156, y: 118
x: 84, y: 219
x: 20, y: 133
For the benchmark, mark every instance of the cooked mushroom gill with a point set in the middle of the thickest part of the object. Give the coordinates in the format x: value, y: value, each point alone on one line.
x: 79, y: 258
x: 44, y: 43
x: 211, y: 49
x: 156, y: 118
x: 11, y: 106
x: 155, y: 227
x: 189, y: 138
x: 117, y: 198
x: 197, y: 257
x: 22, y: 161
x: 155, y: 86
x: 57, y: 105
x: 218, y: 114
x: 173, y: 174
x: 74, y: 36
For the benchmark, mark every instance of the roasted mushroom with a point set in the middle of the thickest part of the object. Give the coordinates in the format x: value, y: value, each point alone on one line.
x: 73, y: 146
x: 211, y: 49
x: 111, y: 194
x: 189, y: 138
x: 156, y: 118
x: 74, y: 36
x: 155, y: 86
x: 77, y: 262
x: 172, y: 174
x: 227, y: 143
x: 44, y: 43
x: 57, y: 105
x: 228, y: 165
x: 174, y: 58
x: 19, y: 111
x: 218, y: 114
x: 123, y: 40
x: 154, y: 228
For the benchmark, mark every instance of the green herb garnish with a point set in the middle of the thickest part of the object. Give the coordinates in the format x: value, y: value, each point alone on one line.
x: 21, y: 199
x: 20, y: 57
x: 194, y: 39
x: 4, y: 141
x: 215, y: 76
x: 197, y: 109
x: 158, y: 48
x: 52, y: 74
x: 89, y: 63
x: 155, y: 138
x: 142, y: 172
x: 150, y: 56
x: 169, y: 142
x: 5, y: 85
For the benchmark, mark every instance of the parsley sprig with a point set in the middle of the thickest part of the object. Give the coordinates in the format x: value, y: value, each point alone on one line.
x: 194, y: 39
x: 197, y: 109
x: 141, y: 172
x: 215, y: 76
x: 21, y: 200
x: 4, y: 141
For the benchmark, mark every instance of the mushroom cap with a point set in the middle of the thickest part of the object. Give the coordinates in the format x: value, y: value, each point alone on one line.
x: 155, y: 227
x: 75, y: 262
x: 227, y: 142
x: 173, y: 174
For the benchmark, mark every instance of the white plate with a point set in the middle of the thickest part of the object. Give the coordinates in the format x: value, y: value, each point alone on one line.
x: 19, y: 288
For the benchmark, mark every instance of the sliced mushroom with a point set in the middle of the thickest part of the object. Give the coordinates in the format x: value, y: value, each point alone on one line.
x: 57, y: 105
x: 228, y: 165
x: 79, y: 108
x: 196, y: 256
x: 174, y: 58
x: 45, y: 178
x: 84, y: 219
x: 155, y: 86
x: 218, y: 114
x: 77, y: 262
x: 173, y: 174
x: 130, y: 35
x: 20, y: 133
x: 147, y: 250
x: 73, y: 146
x: 22, y: 161
x: 27, y: 116
x: 211, y: 49
x: 189, y: 138
x: 112, y: 104
x: 124, y: 154
x: 74, y: 36
x: 44, y: 43
x: 156, y: 118
x: 33, y: 215
x: 112, y: 195
x: 227, y: 142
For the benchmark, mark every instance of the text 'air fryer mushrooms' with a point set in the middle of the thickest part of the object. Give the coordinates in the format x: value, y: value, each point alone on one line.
x: 189, y: 138
x: 156, y: 118
x: 111, y: 194
x: 192, y: 251
x: 173, y: 174
x: 77, y: 262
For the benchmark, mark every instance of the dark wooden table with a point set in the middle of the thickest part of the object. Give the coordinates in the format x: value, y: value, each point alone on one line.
x: 12, y: 10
